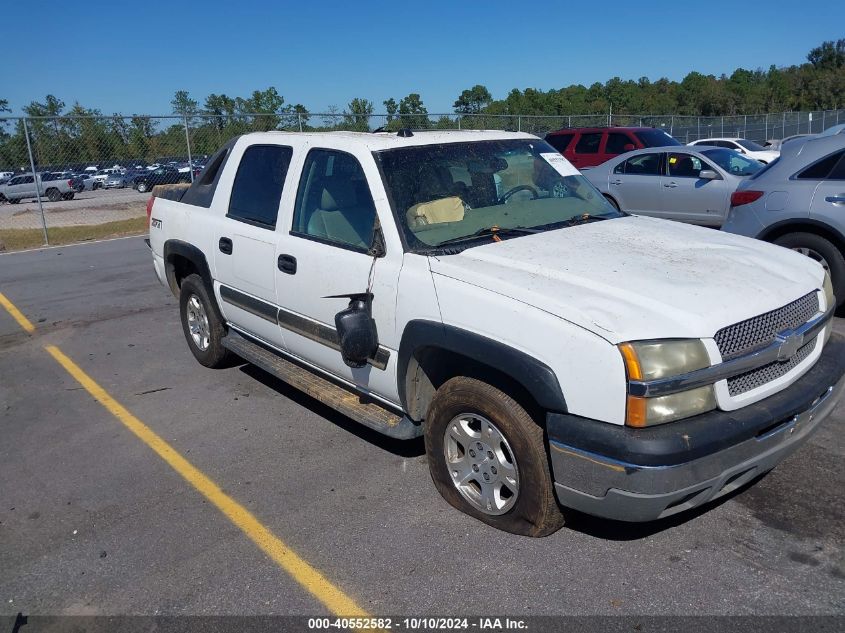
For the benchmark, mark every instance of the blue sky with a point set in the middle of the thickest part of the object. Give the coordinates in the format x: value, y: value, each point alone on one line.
x: 325, y: 53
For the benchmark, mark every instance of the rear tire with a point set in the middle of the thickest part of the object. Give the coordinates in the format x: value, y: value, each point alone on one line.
x: 535, y: 511
x: 202, y: 324
x: 54, y: 195
x: 13, y: 200
x: 142, y: 187
x: 823, y: 251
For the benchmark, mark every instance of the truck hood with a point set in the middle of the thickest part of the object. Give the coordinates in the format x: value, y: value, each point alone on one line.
x: 637, y: 278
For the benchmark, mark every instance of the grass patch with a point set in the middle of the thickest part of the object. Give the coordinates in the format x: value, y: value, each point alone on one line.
x: 21, y: 239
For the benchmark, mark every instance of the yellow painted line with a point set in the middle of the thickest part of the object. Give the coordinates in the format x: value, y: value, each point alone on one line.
x: 17, y: 315
x: 306, y: 575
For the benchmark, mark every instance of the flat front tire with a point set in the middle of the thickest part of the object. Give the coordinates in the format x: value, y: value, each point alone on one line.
x: 202, y: 324
x: 487, y: 458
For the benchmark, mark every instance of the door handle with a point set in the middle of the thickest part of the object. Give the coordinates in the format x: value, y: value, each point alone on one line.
x: 615, y: 182
x: 835, y: 199
x: 225, y: 245
x: 287, y: 264
x: 671, y: 185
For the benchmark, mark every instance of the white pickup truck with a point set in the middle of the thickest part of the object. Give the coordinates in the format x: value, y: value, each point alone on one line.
x: 474, y: 288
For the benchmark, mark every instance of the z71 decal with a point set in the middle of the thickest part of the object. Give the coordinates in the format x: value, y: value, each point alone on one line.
x: 155, y: 223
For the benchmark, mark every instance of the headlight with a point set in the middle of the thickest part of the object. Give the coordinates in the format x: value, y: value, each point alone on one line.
x: 827, y: 289
x: 649, y: 360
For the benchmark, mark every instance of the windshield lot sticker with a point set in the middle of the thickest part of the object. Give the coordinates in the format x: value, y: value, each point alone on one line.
x: 559, y: 163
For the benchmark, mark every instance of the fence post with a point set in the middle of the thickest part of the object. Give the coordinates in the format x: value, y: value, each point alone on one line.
x: 299, y: 120
x: 767, y: 128
x: 671, y: 124
x: 783, y: 126
x: 824, y: 113
x: 459, y: 121
x: 188, y: 142
x: 723, y: 126
x: 745, y: 126
x: 698, y: 128
x: 519, y: 124
x: 37, y: 183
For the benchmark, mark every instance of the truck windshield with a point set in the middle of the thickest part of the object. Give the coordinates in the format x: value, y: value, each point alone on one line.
x: 483, y: 190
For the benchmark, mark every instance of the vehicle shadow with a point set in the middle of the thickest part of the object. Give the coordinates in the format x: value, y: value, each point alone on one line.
x: 612, y: 530
x: 400, y: 448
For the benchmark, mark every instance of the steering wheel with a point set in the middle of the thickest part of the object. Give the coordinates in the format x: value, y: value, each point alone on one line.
x: 534, y: 193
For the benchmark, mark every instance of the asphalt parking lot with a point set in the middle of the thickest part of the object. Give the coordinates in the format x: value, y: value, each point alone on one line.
x: 93, y: 521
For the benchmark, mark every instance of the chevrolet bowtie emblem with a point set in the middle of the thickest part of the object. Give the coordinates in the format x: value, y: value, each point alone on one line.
x: 789, y: 342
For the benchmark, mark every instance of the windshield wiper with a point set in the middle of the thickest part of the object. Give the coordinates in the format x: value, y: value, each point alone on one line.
x: 584, y: 218
x: 494, y: 231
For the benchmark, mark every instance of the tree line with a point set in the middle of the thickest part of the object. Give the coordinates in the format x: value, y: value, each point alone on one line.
x: 89, y: 135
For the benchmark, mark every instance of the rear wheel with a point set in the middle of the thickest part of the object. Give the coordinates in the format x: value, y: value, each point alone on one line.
x: 142, y: 187
x: 13, y: 200
x: 824, y: 252
x: 54, y: 195
x: 202, y: 324
x: 487, y: 457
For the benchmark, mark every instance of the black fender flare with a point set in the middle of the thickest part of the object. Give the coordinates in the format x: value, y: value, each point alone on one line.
x: 798, y: 224
x: 173, y: 248
x: 537, y: 378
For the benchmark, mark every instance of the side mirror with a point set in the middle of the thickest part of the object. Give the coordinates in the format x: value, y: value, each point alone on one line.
x: 708, y: 174
x: 629, y: 147
x: 356, y: 330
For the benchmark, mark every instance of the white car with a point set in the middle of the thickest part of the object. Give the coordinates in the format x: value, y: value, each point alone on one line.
x: 473, y: 288
x: 743, y: 146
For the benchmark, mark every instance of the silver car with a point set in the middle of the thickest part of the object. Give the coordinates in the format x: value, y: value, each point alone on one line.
x: 799, y: 202
x: 117, y: 181
x: 690, y: 184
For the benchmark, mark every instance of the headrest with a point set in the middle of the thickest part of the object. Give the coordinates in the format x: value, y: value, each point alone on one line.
x: 449, y: 209
x: 338, y: 193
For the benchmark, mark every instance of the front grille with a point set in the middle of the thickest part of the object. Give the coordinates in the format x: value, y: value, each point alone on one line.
x: 757, y: 332
x: 767, y: 373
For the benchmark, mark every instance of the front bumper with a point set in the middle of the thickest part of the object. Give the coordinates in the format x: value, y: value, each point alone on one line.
x: 643, y: 474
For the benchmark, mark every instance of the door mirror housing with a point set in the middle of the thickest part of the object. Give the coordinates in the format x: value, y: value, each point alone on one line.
x: 356, y: 330
x: 629, y: 147
x: 708, y: 174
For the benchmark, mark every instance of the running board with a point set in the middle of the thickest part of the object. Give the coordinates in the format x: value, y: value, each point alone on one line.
x: 350, y: 403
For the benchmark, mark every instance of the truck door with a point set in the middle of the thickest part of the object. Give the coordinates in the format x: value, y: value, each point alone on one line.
x: 244, y: 241
x: 325, y: 253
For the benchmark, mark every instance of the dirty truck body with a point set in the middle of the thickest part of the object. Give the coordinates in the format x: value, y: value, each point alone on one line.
x: 474, y: 288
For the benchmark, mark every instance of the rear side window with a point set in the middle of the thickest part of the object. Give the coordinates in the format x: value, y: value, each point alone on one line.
x: 822, y: 169
x: 588, y: 143
x: 257, y: 189
x: 560, y: 141
x: 616, y: 143
x: 643, y: 165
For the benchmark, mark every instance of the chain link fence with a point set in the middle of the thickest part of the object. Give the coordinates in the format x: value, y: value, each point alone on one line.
x: 70, y: 178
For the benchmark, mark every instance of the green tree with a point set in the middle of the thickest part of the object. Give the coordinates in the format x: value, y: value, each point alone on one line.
x: 391, y: 107
x: 473, y: 101
x: 828, y: 55
x: 358, y: 113
x: 412, y: 112
x: 183, y: 105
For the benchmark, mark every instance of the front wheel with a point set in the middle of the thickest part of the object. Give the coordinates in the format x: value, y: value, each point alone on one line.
x: 142, y: 187
x: 202, y: 324
x: 487, y: 458
x: 824, y: 252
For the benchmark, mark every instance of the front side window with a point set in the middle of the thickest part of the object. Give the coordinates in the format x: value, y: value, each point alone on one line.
x: 588, y: 143
x: 684, y: 165
x: 334, y: 203
x: 457, y: 195
x: 257, y: 189
x: 643, y: 165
